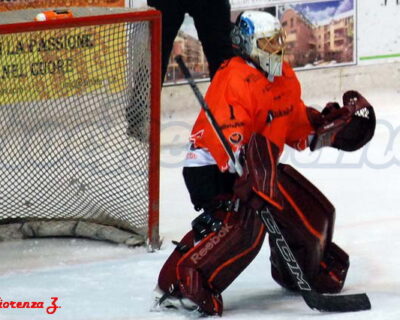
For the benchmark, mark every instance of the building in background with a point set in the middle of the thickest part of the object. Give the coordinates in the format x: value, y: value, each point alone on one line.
x: 192, y: 51
x: 329, y: 41
x: 319, y: 33
x: 335, y: 38
x: 300, y: 38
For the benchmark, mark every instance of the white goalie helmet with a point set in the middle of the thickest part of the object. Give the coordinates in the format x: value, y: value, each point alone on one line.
x: 259, y: 36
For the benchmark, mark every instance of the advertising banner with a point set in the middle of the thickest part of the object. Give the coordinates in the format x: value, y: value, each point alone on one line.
x: 319, y: 33
x: 61, y: 63
x: 6, y: 5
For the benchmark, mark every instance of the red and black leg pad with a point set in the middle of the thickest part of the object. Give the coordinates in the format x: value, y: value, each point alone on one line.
x: 204, y: 271
x: 258, y: 185
x: 208, y: 268
x: 307, y: 221
x: 167, y: 280
x: 332, y: 271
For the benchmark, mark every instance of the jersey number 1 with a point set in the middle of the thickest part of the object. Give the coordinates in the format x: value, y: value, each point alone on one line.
x: 232, y: 112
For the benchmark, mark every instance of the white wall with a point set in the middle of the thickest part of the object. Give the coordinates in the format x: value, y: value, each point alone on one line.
x: 378, y: 30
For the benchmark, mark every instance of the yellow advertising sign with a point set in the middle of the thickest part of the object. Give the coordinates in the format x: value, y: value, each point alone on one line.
x: 6, y: 5
x: 61, y: 63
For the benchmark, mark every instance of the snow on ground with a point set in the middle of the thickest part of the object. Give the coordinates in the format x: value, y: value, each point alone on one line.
x: 101, y: 281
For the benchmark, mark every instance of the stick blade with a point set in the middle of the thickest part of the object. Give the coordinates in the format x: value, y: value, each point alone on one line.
x: 339, y: 303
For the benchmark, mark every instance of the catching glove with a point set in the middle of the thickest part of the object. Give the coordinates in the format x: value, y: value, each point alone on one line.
x: 346, y: 128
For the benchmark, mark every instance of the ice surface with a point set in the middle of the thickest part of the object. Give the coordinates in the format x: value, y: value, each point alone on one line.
x: 101, y: 281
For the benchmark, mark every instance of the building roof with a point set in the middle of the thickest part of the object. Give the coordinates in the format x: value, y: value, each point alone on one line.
x: 339, y: 16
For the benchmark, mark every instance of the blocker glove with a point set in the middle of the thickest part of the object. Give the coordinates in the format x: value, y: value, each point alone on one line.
x: 346, y: 128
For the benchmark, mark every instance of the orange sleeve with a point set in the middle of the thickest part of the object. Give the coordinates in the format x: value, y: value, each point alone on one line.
x: 300, y: 127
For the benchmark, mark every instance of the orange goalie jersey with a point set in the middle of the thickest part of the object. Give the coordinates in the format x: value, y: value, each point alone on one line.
x: 243, y: 102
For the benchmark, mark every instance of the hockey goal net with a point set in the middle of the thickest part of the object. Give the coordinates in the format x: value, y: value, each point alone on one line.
x: 79, y: 125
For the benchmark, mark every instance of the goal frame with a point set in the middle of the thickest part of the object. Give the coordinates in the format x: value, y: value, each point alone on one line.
x: 154, y: 18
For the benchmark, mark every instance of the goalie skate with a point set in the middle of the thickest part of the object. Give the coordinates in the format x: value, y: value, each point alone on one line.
x: 163, y: 301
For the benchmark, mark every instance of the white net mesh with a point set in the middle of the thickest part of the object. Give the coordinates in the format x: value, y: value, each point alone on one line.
x: 75, y: 124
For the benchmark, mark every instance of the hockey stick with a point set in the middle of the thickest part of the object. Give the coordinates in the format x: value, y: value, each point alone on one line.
x: 330, y: 303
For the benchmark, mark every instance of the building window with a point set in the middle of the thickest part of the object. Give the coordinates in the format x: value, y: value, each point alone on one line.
x: 339, y: 43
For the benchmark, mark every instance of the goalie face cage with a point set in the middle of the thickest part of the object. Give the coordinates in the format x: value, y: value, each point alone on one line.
x: 79, y: 143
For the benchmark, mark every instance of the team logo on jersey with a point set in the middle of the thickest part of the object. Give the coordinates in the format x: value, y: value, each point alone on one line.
x: 196, y: 135
x: 233, y: 125
x: 236, y: 138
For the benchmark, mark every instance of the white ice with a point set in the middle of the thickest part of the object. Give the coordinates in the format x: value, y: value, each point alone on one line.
x: 101, y: 281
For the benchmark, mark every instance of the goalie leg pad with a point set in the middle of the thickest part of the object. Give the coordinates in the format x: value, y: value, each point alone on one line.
x: 192, y: 287
x: 221, y: 256
x: 307, y: 223
x: 190, y: 293
x: 203, y: 272
x: 167, y: 280
x: 333, y: 270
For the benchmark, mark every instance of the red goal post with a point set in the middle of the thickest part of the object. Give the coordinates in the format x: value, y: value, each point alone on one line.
x: 80, y: 126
